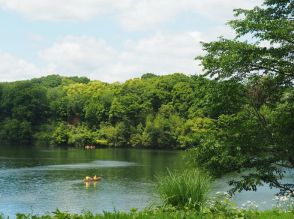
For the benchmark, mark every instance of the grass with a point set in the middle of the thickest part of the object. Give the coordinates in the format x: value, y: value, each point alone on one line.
x: 161, y: 214
x: 272, y: 215
x: 184, y: 189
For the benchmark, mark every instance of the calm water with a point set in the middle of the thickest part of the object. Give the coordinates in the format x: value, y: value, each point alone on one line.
x: 41, y: 180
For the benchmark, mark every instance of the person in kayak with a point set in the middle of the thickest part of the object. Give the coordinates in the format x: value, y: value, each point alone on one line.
x: 87, y: 178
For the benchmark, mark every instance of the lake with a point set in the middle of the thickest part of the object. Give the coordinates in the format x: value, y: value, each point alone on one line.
x: 36, y: 180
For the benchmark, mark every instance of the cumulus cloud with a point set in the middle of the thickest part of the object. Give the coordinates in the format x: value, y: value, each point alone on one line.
x: 57, y: 10
x: 78, y: 55
x: 13, y: 68
x: 144, y: 14
x: 162, y: 53
x: 132, y: 14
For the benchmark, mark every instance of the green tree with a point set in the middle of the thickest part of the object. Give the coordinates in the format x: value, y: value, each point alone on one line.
x: 182, y: 97
x: 14, y: 131
x: 115, y: 136
x: 255, y: 138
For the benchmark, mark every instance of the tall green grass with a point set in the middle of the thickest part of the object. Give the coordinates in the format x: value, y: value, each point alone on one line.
x: 188, y: 189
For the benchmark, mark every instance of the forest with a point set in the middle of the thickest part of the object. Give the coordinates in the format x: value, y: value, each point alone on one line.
x: 172, y: 111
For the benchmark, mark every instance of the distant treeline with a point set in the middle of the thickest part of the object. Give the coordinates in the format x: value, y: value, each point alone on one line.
x: 172, y: 111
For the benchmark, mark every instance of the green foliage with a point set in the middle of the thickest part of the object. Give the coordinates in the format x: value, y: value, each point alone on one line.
x: 257, y: 135
x: 78, y: 136
x: 60, y: 134
x: 15, y: 131
x: 43, y: 136
x: 49, y: 81
x: 164, y: 129
x: 195, y: 131
x: 160, y: 213
x: 24, y: 101
x: 188, y: 189
x: 152, y: 112
x: 115, y: 136
x: 81, y: 135
x: 148, y: 75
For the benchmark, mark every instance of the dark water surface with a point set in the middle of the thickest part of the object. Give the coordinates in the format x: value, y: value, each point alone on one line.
x: 42, y: 180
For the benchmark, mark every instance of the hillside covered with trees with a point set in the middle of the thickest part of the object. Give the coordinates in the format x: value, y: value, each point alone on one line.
x: 172, y: 111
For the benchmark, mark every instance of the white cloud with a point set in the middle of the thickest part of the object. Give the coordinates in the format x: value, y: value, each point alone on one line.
x: 133, y: 14
x: 79, y: 56
x: 13, y: 68
x: 56, y: 10
x: 144, y: 14
x: 221, y: 10
x: 161, y: 53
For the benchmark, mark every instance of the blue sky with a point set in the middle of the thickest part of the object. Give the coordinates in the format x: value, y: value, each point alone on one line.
x: 108, y: 40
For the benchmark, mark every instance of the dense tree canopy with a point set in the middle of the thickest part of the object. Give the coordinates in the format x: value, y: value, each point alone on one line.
x: 151, y: 112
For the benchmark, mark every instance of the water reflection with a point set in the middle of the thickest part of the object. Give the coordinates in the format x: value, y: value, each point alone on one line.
x: 93, y: 184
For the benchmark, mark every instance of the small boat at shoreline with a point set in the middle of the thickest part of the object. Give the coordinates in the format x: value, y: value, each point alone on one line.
x: 90, y: 147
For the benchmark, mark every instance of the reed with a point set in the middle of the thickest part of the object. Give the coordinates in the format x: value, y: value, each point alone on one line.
x: 187, y: 189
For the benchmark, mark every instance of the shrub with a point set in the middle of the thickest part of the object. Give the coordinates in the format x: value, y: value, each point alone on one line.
x: 187, y: 189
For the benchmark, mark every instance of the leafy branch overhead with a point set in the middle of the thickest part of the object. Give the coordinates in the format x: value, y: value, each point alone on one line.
x: 264, y: 45
x: 260, y: 137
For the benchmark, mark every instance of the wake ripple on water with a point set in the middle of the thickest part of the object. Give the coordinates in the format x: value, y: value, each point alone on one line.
x: 78, y: 166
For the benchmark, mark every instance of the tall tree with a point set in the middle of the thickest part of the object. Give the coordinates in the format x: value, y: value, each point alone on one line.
x: 255, y: 138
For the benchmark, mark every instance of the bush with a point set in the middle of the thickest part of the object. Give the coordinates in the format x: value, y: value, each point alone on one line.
x: 187, y: 189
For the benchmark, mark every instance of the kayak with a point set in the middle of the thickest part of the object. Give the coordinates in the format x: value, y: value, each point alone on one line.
x: 93, y: 180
